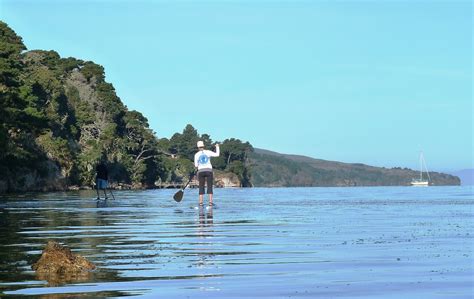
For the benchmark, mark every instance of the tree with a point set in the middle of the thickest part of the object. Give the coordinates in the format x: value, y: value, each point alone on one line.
x: 19, y: 119
x: 185, y: 144
x: 234, y: 154
x: 235, y: 150
x: 90, y: 70
x: 11, y: 104
x: 142, y: 146
x: 59, y: 115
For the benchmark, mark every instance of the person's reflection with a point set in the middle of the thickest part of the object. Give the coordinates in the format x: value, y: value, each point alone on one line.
x: 206, y: 220
x: 102, y: 203
x: 205, y: 232
x: 210, y: 218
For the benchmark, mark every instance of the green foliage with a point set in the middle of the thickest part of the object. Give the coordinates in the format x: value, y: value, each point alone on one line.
x: 68, y: 64
x: 233, y: 156
x: 86, y: 161
x: 60, y: 150
x: 60, y: 111
x: 11, y: 43
x: 240, y: 170
x: 83, y: 111
x: 184, y: 168
x: 11, y: 104
x: 19, y: 116
x: 235, y: 150
x: 109, y: 103
x: 11, y: 66
x: 49, y: 59
x: 185, y: 144
x: 90, y: 70
x: 142, y: 145
x: 163, y: 145
x: 272, y: 169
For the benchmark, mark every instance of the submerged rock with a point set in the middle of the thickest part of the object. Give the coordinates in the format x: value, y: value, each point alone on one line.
x: 59, y: 260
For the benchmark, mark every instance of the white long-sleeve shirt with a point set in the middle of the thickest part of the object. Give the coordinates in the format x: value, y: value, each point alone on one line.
x: 202, y: 159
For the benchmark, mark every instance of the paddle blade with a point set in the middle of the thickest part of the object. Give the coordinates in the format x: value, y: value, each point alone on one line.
x: 178, y: 196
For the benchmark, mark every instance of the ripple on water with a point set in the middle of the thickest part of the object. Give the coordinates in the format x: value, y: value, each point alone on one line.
x: 297, y: 242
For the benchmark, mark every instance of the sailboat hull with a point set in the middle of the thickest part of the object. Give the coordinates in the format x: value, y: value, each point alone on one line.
x: 420, y: 184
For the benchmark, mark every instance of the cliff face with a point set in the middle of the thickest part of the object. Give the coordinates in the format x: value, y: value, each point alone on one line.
x: 226, y: 179
x: 222, y: 179
x: 49, y: 178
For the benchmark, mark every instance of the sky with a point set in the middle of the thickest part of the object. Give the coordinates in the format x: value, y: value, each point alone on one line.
x: 371, y: 82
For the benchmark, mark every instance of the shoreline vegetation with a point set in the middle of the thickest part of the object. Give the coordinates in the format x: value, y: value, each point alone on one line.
x: 59, y: 117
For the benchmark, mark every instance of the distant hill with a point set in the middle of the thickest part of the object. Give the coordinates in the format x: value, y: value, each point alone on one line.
x: 276, y: 170
x: 466, y: 176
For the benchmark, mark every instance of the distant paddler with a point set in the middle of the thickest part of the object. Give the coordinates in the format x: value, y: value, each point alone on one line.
x: 202, y: 162
x: 102, y: 178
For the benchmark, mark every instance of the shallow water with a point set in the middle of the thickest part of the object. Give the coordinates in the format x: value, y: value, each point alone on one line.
x: 389, y: 242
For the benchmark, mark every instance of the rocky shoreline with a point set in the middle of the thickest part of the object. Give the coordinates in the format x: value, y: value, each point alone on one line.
x: 33, y: 182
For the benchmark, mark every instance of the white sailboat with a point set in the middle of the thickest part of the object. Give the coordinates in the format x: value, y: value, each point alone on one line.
x: 422, y: 182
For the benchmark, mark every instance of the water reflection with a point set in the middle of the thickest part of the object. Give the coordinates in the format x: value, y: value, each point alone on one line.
x: 26, y: 225
x: 205, y: 251
x: 206, y: 218
x: 144, y: 243
x: 102, y: 203
x: 58, y: 279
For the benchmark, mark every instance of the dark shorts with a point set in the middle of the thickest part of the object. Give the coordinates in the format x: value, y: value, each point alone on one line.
x: 208, y: 178
x: 102, y: 184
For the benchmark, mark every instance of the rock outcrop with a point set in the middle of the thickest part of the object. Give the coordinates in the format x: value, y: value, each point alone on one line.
x: 222, y: 179
x: 226, y: 179
x: 58, y: 264
x: 26, y: 179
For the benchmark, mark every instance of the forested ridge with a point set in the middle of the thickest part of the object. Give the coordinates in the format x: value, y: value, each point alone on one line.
x: 280, y: 170
x: 59, y: 117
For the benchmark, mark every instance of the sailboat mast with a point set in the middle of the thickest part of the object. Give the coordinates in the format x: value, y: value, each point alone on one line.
x: 426, y: 168
x: 420, y: 181
x: 421, y: 166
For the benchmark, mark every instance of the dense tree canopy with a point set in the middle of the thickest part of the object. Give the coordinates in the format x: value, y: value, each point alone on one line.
x: 233, y: 156
x: 59, y: 117
x: 19, y: 114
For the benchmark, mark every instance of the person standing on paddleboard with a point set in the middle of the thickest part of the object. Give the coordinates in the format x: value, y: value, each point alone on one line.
x: 102, y: 178
x: 202, y: 161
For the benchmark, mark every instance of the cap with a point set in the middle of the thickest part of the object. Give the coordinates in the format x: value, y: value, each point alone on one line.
x: 200, y: 144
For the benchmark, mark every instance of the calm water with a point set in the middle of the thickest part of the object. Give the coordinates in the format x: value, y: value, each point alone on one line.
x: 401, y: 242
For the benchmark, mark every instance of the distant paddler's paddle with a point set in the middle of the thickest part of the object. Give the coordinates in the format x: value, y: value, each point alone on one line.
x: 110, y: 190
x: 179, y: 195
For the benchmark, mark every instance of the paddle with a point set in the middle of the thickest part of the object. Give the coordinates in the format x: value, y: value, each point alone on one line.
x: 179, y: 195
x: 110, y: 190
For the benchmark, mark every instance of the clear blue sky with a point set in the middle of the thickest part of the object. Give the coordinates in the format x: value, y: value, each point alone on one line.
x: 354, y: 81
